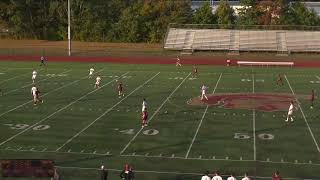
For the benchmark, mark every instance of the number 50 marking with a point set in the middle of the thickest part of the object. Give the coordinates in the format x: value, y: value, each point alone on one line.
x: 25, y: 126
x: 263, y: 136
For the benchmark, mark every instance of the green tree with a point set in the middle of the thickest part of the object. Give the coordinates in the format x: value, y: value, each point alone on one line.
x: 225, y: 14
x: 299, y: 14
x: 248, y: 14
x: 204, y: 15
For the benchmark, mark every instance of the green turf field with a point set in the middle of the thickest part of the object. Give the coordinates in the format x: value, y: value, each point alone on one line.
x: 81, y: 128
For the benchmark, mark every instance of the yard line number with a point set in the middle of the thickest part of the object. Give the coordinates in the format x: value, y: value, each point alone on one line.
x: 148, y: 132
x: 24, y: 126
x: 262, y: 136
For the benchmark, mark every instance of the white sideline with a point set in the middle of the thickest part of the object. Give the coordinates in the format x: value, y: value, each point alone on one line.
x: 61, y: 109
x: 134, y: 137
x: 254, y: 124
x: 106, y: 112
x: 161, y: 157
x: 304, y: 117
x: 164, y: 172
x: 73, y: 82
x: 6, y: 93
x: 204, y: 114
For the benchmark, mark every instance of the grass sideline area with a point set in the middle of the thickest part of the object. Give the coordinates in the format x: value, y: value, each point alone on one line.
x: 81, y: 128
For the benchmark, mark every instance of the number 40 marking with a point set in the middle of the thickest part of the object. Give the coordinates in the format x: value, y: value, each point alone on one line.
x: 148, y: 132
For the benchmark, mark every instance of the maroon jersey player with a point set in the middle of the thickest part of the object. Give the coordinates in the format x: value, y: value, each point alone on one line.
x: 144, y: 117
x: 279, y: 80
x: 120, y: 89
x: 195, y: 71
x: 312, y: 98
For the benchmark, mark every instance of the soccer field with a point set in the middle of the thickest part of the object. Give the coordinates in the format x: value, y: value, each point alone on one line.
x: 81, y: 128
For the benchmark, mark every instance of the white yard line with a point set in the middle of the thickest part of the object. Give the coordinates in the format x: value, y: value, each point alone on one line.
x: 204, y: 114
x: 8, y: 92
x: 304, y: 117
x: 66, y: 85
x: 106, y: 112
x: 254, y: 124
x: 166, y: 172
x: 15, y: 77
x: 135, y: 136
x: 61, y: 109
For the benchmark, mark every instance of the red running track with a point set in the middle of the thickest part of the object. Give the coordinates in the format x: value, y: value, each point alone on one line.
x: 147, y: 60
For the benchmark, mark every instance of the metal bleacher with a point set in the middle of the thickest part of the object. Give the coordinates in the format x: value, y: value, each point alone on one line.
x: 243, y: 40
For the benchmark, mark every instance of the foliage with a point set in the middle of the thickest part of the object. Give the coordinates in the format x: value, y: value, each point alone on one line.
x: 225, y: 14
x: 138, y: 20
x: 204, y: 15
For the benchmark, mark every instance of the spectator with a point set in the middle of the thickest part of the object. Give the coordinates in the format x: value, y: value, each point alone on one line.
x: 206, y: 176
x: 55, y: 175
x: 246, y: 176
x: 104, y: 173
x: 216, y: 176
x: 127, y: 173
x: 276, y: 176
x: 231, y: 177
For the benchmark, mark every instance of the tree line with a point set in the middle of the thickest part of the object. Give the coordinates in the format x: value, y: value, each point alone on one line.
x: 139, y: 20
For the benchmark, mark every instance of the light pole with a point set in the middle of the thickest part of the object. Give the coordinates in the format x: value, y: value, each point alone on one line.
x: 69, y: 29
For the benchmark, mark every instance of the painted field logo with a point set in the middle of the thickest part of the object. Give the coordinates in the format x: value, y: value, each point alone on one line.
x: 258, y: 101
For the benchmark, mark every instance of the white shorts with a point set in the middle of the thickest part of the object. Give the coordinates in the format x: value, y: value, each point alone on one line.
x: 290, y: 112
x: 90, y: 73
x: 203, y: 92
x: 34, y: 77
x: 34, y: 96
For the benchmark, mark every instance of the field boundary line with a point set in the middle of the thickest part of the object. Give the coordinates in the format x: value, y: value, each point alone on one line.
x: 304, y: 117
x: 66, y: 85
x: 8, y: 92
x: 167, y: 172
x: 61, y: 109
x: 204, y: 114
x: 161, y: 157
x: 158, y: 109
x: 106, y: 112
x: 254, y: 123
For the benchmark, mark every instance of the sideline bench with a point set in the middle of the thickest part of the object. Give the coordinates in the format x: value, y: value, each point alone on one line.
x: 264, y: 63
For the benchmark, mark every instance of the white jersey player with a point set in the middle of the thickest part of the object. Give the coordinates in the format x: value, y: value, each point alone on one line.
x: 206, y: 176
x: 246, y: 177
x: 91, y: 70
x: 144, y: 105
x: 203, y: 92
x: 97, y: 84
x: 34, y: 75
x: 34, y: 94
x: 290, y: 112
x: 216, y: 176
x: 231, y: 177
